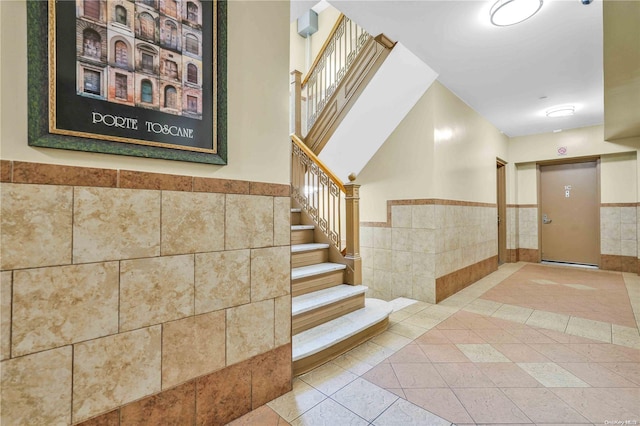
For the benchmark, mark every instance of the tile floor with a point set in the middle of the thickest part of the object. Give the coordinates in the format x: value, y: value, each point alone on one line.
x: 476, y: 359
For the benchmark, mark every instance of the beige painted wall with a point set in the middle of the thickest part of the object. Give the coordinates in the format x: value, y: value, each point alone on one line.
x: 618, y: 180
x: 581, y: 142
x: 442, y: 149
x: 403, y: 166
x: 297, y: 54
x: 526, y: 184
x: 258, y: 103
x: 466, y: 147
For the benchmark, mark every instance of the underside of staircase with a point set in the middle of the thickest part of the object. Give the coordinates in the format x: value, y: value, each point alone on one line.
x: 329, y: 317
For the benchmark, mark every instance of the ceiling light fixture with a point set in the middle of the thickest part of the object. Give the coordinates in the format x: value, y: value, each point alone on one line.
x: 511, y: 12
x: 561, y: 111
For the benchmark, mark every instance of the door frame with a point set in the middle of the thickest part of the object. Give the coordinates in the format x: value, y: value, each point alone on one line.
x: 588, y: 159
x: 501, y: 203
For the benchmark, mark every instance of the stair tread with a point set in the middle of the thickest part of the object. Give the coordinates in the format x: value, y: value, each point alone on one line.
x: 325, y: 335
x: 317, y: 299
x: 317, y: 269
x: 301, y: 227
x: 296, y: 210
x: 299, y: 248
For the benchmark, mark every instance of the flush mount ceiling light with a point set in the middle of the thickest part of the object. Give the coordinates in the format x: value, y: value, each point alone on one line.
x: 561, y: 111
x: 511, y: 12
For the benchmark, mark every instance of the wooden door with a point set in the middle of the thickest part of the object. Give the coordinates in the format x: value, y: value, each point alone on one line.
x: 569, y: 213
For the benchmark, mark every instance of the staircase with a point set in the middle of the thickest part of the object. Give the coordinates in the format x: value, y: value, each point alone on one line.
x: 329, y: 317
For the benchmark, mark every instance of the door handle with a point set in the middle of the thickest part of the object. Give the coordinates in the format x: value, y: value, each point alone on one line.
x: 545, y: 219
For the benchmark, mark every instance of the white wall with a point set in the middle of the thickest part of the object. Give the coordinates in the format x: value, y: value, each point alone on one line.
x: 258, y: 103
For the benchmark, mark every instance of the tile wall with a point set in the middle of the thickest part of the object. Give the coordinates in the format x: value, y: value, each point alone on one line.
x: 527, y: 233
x: 423, y: 241
x: 130, y: 296
x: 619, y: 228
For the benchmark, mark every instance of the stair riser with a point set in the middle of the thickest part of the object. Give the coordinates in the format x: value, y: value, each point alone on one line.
x: 317, y: 282
x: 309, y: 258
x: 306, y: 364
x: 304, y: 236
x: 326, y: 313
x: 296, y: 218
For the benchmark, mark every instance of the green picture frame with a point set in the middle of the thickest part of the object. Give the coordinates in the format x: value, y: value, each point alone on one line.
x: 61, y: 116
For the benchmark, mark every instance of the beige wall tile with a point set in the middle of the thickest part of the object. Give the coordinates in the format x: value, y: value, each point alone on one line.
x: 113, y: 224
x: 610, y: 230
x: 250, y: 330
x: 382, y: 283
x: 222, y: 280
x: 192, y: 222
x: 114, y: 370
x: 401, y: 239
x: 60, y: 305
x: 629, y: 248
x: 382, y: 259
x: 282, y: 320
x: 423, y: 264
x: 282, y: 221
x: 382, y: 238
x: 5, y: 314
x: 628, y: 215
x: 366, y: 237
x: 366, y: 253
x: 423, y: 216
x: 249, y: 221
x: 424, y: 289
x: 422, y: 240
x: 401, y: 261
x: 402, y: 285
x: 401, y: 216
x: 156, y: 290
x: 628, y: 231
x: 270, y: 272
x: 610, y: 246
x: 36, y: 389
x: 36, y: 225
x: 192, y: 347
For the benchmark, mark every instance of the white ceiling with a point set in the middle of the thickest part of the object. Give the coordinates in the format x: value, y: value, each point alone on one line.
x: 510, y: 75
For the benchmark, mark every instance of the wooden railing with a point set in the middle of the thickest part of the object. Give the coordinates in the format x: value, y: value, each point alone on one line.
x: 331, y: 65
x: 332, y: 205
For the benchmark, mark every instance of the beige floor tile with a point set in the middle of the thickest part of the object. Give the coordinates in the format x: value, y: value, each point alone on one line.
x: 404, y: 413
x: 625, y: 336
x: 597, y: 405
x: 439, y: 312
x: 365, y: 399
x: 371, y: 353
x: 507, y: 375
x: 409, y: 354
x: 443, y: 353
x: 300, y: 400
x: 329, y: 412
x: 398, y: 316
x: 463, y: 375
x: 391, y: 340
x: 353, y: 364
x: 407, y: 330
x: 422, y: 321
x: 513, y: 313
x: 418, y: 376
x: 483, y: 307
x: 482, y: 353
x: 328, y: 378
x: 596, y: 375
x: 552, y: 375
x: 549, y: 320
x: 590, y: 329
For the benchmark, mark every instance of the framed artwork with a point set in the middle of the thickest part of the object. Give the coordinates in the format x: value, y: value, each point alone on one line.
x: 143, y: 78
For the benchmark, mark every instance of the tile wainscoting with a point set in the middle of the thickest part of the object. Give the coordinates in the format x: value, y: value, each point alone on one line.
x: 428, y: 249
x: 129, y: 295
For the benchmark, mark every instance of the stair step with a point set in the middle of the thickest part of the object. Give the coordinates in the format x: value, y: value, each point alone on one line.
x: 317, y: 269
x: 299, y: 248
x: 317, y: 299
x: 324, y: 336
x: 302, y: 227
x: 296, y: 210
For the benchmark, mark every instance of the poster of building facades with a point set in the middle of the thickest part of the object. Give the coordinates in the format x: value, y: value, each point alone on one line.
x: 137, y: 72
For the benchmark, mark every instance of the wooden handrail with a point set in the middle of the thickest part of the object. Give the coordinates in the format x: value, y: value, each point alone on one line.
x: 324, y: 47
x: 319, y: 162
